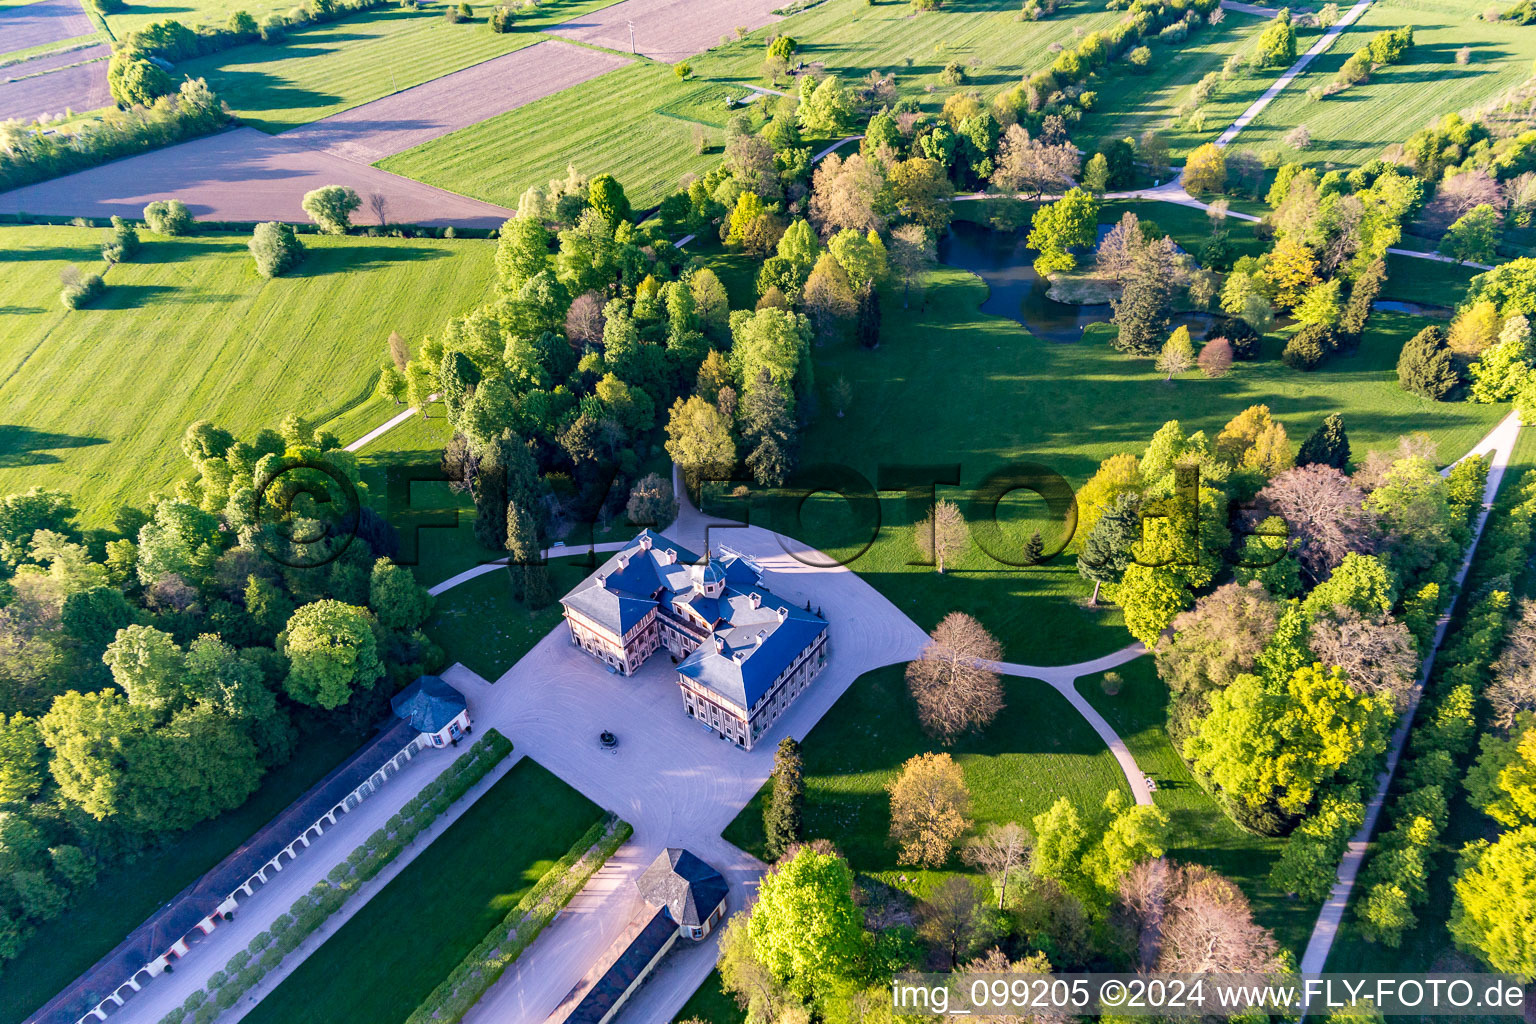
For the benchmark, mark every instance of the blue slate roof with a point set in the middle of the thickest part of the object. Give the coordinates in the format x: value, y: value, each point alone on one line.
x: 752, y: 645
x: 429, y: 704
x: 627, y: 586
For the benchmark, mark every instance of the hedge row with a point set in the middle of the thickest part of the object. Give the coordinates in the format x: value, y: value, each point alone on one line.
x: 267, y: 950
x: 503, y: 944
x: 1396, y: 877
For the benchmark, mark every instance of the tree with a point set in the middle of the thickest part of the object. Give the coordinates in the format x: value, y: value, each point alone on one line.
x: 1070, y: 222
x: 950, y: 919
x: 651, y: 502
x: 1036, y: 167
x: 1141, y: 312
x: 783, y: 816
x: 1207, y: 925
x: 21, y: 759
x: 1504, y: 369
x: 845, y: 194
x: 607, y: 197
x: 1376, y: 652
x: 942, y: 535
x: 1494, y: 901
x: 699, y: 439
x: 1205, y: 170
x: 1107, y: 551
x: 1320, y: 305
x: 1218, y: 640
x: 331, y: 653
x: 1474, y: 238
x: 122, y: 242
x: 1310, y: 861
x: 1215, y: 358
x: 867, y: 318
x: 828, y: 298
x: 1425, y: 366
x: 396, y: 598
x: 331, y: 208
x: 1324, y: 511
x: 920, y: 191
x: 1513, y: 689
x: 952, y: 680
x: 825, y: 107
x: 999, y: 851
x: 1291, y: 271
x: 522, y: 252
x: 1090, y: 858
x: 913, y: 254
x: 930, y: 809
x: 136, y: 81
x: 805, y: 929
x: 1328, y: 445
x: 1277, y: 44
x: 1177, y: 355
x: 275, y: 248
x: 149, y: 667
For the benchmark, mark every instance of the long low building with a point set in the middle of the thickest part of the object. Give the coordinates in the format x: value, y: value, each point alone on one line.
x: 743, y: 654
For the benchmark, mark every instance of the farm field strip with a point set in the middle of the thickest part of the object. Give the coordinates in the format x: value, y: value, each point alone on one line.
x: 667, y: 30
x: 23, y: 27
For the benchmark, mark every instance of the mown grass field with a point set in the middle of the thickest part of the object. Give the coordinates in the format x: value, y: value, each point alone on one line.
x: 324, y: 69
x: 1037, y: 750
x: 1354, y: 126
x: 482, y: 623
x: 96, y: 400
x: 124, y: 896
x: 950, y: 384
x: 648, y: 143
x: 382, y: 963
x: 1199, y: 831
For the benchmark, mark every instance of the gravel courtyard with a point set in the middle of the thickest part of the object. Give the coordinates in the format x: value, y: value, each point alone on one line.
x: 668, y: 30
x: 409, y: 118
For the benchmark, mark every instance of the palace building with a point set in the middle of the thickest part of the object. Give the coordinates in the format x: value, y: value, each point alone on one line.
x: 742, y: 654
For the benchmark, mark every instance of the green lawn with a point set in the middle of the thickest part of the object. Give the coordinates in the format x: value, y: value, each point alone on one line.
x: 1037, y: 750
x: 711, y: 1004
x: 651, y: 145
x: 1355, y: 125
x: 482, y: 624
x: 324, y: 69
x: 124, y: 896
x: 1201, y: 833
x: 1130, y: 104
x: 383, y: 962
x: 96, y: 400
x: 950, y: 384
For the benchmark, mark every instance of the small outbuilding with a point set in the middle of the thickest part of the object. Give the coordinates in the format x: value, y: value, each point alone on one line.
x: 692, y: 892
x: 435, y: 709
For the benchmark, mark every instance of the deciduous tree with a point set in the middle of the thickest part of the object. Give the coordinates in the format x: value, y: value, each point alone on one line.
x: 952, y: 680
x: 930, y: 809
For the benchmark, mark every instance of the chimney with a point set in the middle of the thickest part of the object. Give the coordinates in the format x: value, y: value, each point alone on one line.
x: 757, y: 641
x: 623, y: 562
x: 756, y: 599
x: 783, y: 612
x: 602, y: 580
x: 671, y: 556
x: 645, y: 543
x: 740, y: 656
x: 719, y: 645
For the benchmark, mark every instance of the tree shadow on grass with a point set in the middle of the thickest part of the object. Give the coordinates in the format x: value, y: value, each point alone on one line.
x: 25, y: 446
x: 320, y: 262
x: 137, y: 296
x: 69, y: 253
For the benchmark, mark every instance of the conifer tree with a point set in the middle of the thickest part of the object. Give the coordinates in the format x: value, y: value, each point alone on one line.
x: 1425, y: 366
x: 1328, y: 445
x: 783, y: 815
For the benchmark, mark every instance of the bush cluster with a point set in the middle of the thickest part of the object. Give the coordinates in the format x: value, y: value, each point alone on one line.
x: 266, y: 951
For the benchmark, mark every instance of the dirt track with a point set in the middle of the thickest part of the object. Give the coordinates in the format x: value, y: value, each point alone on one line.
x: 668, y: 30
x: 396, y: 123
x: 242, y: 175
x: 22, y: 28
x: 78, y: 88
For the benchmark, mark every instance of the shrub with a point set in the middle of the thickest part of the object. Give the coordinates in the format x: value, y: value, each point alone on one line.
x: 1139, y: 58
x: 136, y: 81
x: 953, y: 73
x: 275, y: 248
x: 168, y: 217
x: 242, y: 24
x: 453, y: 15
x: 122, y: 244
x: 80, y: 290
x: 108, y: 6
x: 502, y: 19
x: 1464, y: 55
x: 1216, y: 357
x: 683, y: 70
x: 273, y: 28
x: 1425, y: 366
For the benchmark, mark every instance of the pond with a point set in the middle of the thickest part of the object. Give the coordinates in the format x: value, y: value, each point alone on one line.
x: 1001, y: 259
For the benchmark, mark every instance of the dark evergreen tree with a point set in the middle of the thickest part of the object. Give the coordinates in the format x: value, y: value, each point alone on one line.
x: 1357, y: 311
x: 1308, y: 347
x: 1328, y: 445
x: 1107, y: 550
x: 1141, y: 312
x: 1242, y: 337
x: 524, y: 556
x: 768, y: 428
x: 869, y: 316
x: 783, y: 816
x: 457, y: 376
x: 1425, y: 366
x: 1034, y: 549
